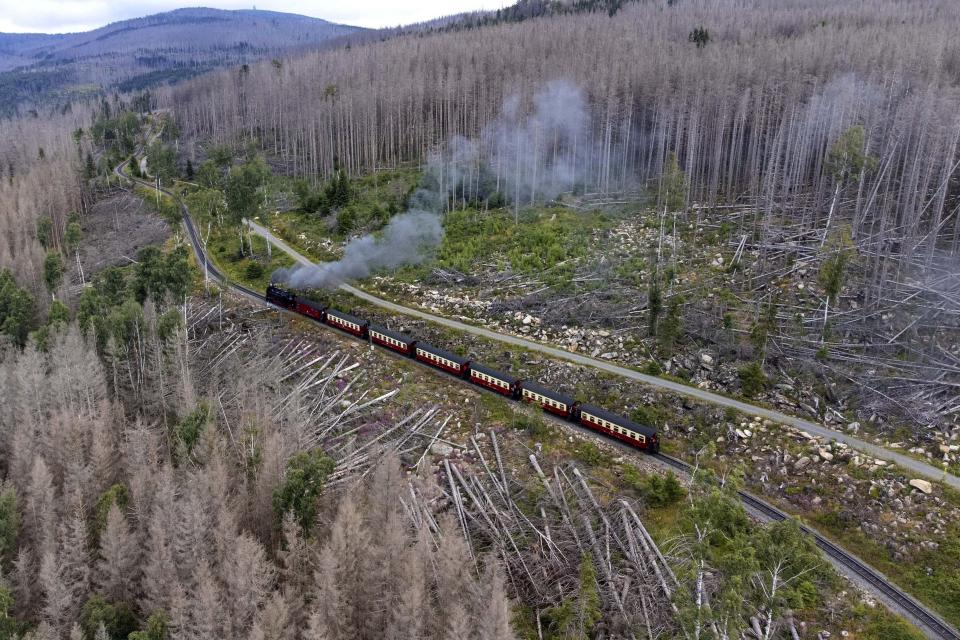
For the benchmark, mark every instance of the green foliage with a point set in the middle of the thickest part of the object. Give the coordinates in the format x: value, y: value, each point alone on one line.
x: 673, y: 184
x: 663, y: 491
x: 221, y: 156
x: 253, y: 271
x: 590, y: 454
x: 158, y: 274
x: 17, y: 312
x: 648, y: 415
x: 169, y: 323
x: 115, y: 135
x: 654, y: 306
x: 533, y: 427
x: 833, y: 268
x: 672, y: 326
x: 338, y: 191
x: 760, y: 330
x: 155, y: 629
x: 546, y: 242
x: 577, y: 615
x: 700, y: 37
x: 53, y: 270
x: 162, y: 162
x: 653, y: 368
x: 73, y: 236
x: 207, y: 205
x: 45, y: 232
x: 309, y: 200
x: 306, y: 475
x: 847, y: 156
x: 10, y: 627
x: 752, y: 379
x: 9, y: 521
x: 117, y: 617
x: 89, y: 167
x: 346, y: 220
x: 118, y: 495
x: 59, y: 314
x: 241, y: 188
x: 209, y: 176
x: 190, y: 429
x: 889, y: 627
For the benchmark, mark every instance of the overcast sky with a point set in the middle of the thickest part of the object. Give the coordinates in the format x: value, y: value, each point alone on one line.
x: 62, y: 16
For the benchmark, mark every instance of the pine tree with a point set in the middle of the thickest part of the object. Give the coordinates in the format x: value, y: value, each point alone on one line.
x: 118, y: 558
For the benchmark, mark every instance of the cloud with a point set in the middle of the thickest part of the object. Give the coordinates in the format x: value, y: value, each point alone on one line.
x: 65, y: 16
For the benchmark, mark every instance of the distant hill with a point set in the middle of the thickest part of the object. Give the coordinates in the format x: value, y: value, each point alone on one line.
x: 144, y: 52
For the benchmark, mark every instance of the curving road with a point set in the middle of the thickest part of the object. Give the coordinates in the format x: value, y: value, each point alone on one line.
x: 905, y: 462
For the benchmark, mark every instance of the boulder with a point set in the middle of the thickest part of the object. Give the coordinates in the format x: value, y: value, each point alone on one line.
x: 826, y: 455
x: 441, y: 449
x: 921, y: 485
x: 802, y: 463
x: 706, y: 358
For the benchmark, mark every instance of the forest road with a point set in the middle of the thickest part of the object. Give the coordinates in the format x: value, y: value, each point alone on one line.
x: 907, y: 463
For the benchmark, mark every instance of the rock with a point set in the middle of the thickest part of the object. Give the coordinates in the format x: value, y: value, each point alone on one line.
x: 527, y: 320
x: 706, y: 358
x: 609, y: 355
x: 741, y: 434
x: 853, y: 427
x: 603, y: 334
x: 826, y: 455
x: 441, y: 449
x: 922, y: 485
x: 802, y: 463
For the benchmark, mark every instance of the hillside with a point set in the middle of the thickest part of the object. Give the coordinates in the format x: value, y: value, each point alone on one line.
x: 143, y: 52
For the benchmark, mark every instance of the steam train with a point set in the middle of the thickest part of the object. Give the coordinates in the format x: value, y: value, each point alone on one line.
x: 566, y: 407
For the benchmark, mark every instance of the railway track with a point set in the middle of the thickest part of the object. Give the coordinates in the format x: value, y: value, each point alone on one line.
x: 932, y: 625
x: 930, y: 622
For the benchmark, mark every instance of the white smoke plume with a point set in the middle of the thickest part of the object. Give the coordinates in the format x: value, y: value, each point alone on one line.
x: 520, y: 158
x: 405, y: 240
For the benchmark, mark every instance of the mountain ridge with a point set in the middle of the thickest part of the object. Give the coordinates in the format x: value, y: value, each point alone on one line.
x: 139, y: 53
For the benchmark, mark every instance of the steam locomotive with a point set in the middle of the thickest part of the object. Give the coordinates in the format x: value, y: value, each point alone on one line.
x: 566, y: 407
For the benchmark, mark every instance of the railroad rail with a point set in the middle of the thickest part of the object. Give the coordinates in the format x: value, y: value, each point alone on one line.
x: 932, y: 625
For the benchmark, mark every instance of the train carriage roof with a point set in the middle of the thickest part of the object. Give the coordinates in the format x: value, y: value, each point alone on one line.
x: 493, y: 373
x: 549, y: 393
x: 319, y: 306
x: 401, y: 337
x: 618, y: 420
x: 442, y: 353
x: 346, y: 316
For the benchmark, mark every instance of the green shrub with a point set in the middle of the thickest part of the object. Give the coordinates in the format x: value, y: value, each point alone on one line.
x: 189, y: 430
x: 116, y: 617
x: 305, y: 478
x: 663, y: 491
x: 752, y: 379
x: 254, y: 271
x: 533, y: 427
x: 115, y: 495
x: 591, y: 454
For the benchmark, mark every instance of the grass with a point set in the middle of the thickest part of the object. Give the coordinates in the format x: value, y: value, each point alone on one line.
x: 546, y: 242
x: 252, y: 269
x: 930, y: 575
